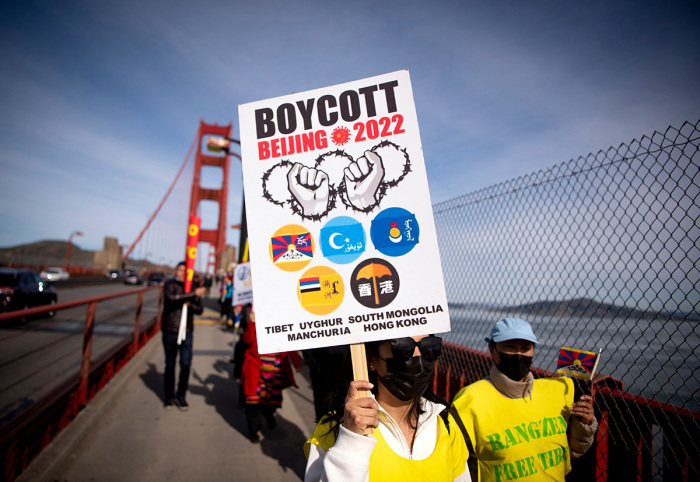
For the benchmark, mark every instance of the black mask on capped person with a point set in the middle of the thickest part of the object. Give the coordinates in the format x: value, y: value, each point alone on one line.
x: 408, y: 379
x: 515, y: 367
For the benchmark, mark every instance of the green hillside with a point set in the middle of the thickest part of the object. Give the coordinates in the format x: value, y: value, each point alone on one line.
x: 48, y: 253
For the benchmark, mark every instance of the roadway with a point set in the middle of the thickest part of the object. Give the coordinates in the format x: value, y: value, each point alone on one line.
x: 38, y: 355
x: 125, y: 433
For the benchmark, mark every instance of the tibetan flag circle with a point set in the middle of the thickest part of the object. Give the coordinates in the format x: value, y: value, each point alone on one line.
x: 291, y: 247
x: 320, y: 290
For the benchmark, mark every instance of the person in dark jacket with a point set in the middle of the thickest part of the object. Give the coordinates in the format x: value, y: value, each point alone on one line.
x: 174, y: 299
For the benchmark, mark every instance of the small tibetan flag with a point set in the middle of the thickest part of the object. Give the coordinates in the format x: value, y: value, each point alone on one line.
x: 578, y: 363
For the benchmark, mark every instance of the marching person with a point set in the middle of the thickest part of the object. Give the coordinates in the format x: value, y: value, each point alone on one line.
x: 226, y: 300
x: 327, y: 365
x: 174, y: 299
x: 413, y: 438
x: 518, y: 427
x: 263, y: 378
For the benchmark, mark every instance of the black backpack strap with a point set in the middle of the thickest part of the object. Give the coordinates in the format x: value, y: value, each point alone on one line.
x: 446, y: 420
x: 471, y: 462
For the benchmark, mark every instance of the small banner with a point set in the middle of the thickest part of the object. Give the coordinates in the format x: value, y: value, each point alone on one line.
x: 242, y: 285
x: 191, y: 256
x: 577, y: 363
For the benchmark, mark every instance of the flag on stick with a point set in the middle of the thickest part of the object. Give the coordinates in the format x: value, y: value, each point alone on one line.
x: 577, y: 363
x: 191, y: 256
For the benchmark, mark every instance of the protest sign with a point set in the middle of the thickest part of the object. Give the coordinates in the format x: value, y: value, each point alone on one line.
x: 340, y: 224
x: 242, y: 285
x: 190, y: 258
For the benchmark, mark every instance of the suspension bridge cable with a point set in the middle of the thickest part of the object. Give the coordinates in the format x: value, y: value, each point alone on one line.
x: 150, y: 220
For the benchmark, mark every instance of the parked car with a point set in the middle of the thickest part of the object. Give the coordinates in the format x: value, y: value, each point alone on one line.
x: 131, y: 277
x: 54, y: 274
x: 22, y: 288
x: 156, y: 279
x: 114, y: 274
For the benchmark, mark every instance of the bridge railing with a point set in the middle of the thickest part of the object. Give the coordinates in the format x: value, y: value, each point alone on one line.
x: 27, y: 434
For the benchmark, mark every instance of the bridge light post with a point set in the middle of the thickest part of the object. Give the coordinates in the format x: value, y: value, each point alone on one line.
x: 70, y: 245
x: 145, y: 261
x: 219, y: 144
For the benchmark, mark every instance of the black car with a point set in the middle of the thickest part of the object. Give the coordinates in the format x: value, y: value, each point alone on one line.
x: 113, y: 274
x: 22, y: 288
x: 131, y: 277
x: 156, y: 279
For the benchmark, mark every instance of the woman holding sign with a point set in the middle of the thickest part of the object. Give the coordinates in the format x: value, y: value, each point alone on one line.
x: 402, y: 431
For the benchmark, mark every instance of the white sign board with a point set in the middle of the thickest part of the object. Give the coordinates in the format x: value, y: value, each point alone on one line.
x: 340, y: 223
x: 242, y: 285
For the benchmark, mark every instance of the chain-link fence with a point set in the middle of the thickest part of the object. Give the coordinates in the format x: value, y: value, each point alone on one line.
x: 598, y: 252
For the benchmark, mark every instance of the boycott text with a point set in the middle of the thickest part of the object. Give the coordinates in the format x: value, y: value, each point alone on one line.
x: 326, y: 109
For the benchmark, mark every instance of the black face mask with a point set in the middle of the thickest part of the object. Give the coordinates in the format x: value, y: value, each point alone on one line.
x: 407, y: 379
x: 515, y: 367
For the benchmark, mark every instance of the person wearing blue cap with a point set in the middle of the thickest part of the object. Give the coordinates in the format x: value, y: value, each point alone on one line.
x: 517, y: 427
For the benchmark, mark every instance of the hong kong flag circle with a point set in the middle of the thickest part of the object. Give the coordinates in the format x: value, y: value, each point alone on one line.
x: 375, y: 283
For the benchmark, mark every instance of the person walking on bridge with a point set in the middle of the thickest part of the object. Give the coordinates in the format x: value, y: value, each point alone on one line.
x: 174, y: 300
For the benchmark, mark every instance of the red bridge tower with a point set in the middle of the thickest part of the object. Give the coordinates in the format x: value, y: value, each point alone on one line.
x: 215, y: 237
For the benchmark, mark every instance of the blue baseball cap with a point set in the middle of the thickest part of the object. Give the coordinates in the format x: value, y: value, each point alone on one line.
x: 511, y: 329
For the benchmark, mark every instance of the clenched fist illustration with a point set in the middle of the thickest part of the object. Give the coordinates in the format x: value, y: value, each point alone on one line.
x: 310, y: 189
x: 362, y: 180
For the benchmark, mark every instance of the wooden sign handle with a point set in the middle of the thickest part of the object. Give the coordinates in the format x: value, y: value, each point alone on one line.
x: 359, y: 371
x: 359, y: 366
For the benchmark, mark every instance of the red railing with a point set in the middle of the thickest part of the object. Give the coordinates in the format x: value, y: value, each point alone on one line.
x: 638, y: 439
x: 32, y: 430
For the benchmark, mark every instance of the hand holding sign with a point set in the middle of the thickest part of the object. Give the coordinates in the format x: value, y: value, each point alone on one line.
x: 310, y: 188
x: 362, y: 180
x: 361, y: 412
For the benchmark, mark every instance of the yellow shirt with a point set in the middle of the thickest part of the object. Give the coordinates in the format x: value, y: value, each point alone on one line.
x: 446, y: 462
x: 521, y: 439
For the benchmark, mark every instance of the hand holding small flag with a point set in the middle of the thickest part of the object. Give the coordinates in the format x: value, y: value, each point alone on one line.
x: 583, y: 409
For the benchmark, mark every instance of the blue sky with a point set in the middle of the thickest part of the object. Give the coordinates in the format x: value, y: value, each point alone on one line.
x: 101, y: 100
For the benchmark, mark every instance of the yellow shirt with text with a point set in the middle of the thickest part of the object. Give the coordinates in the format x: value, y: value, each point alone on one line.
x: 520, y: 439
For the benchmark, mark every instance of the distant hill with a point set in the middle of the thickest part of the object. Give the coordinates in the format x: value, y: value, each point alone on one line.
x: 47, y: 253
x: 582, y: 307
x: 585, y: 307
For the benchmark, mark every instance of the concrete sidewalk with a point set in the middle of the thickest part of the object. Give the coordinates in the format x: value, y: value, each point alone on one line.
x: 126, y: 434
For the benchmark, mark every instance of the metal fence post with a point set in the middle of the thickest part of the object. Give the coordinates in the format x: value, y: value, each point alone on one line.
x: 87, y: 349
x: 137, y: 323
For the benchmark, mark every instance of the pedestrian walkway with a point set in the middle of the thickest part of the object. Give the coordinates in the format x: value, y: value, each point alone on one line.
x: 126, y: 434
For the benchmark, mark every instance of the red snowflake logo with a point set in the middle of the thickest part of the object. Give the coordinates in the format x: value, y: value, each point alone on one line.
x: 340, y: 136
